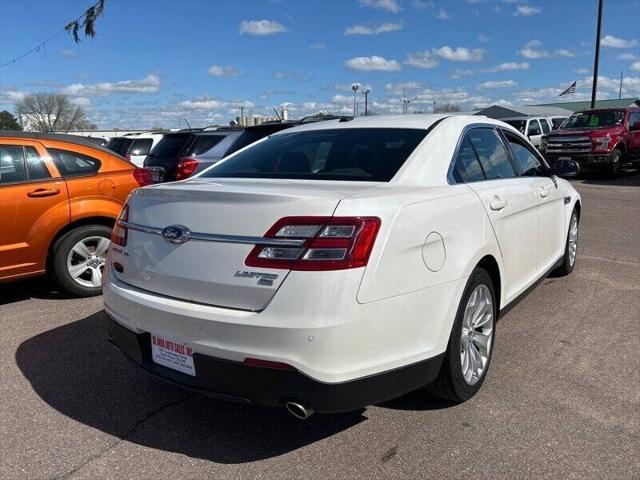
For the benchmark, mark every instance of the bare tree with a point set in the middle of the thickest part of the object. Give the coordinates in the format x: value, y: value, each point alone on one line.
x: 446, y: 107
x: 51, y: 112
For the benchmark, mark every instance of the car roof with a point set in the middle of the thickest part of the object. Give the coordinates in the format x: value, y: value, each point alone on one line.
x: 59, y: 137
x: 520, y: 118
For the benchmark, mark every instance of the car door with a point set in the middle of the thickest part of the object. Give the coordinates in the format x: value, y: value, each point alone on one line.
x: 550, y: 200
x: 534, y: 132
x: 510, y: 202
x: 633, y: 144
x: 34, y: 204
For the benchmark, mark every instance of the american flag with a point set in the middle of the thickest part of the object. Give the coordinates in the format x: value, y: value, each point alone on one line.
x: 571, y: 89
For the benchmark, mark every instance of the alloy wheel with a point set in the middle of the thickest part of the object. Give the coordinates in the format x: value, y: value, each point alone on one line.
x: 477, y: 334
x: 86, y: 261
x: 573, y: 239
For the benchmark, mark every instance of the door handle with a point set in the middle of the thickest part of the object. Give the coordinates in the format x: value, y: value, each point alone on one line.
x: 43, y: 192
x: 544, y: 192
x: 497, y: 203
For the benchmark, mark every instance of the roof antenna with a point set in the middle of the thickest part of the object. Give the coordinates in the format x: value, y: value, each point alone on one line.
x: 277, y: 114
x: 185, y: 121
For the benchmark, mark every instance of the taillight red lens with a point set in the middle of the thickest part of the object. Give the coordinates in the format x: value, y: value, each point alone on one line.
x: 142, y: 176
x: 119, y: 234
x: 330, y: 243
x: 186, y: 167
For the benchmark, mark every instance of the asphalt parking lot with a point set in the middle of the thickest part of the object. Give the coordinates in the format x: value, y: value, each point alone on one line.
x: 562, y: 398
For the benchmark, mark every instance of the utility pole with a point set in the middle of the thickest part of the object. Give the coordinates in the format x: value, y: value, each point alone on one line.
x: 597, y: 59
x: 355, y: 87
x: 366, y: 96
x: 242, y: 116
x: 405, y: 103
x: 620, y: 91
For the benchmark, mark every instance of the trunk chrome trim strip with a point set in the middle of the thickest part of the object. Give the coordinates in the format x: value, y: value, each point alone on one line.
x: 218, y: 237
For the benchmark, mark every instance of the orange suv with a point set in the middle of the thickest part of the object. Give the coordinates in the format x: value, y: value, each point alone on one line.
x: 59, y: 198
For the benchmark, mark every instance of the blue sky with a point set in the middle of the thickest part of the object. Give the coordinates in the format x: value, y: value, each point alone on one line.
x: 154, y: 63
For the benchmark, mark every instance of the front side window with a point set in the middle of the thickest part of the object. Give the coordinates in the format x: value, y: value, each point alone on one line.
x: 533, y: 128
x: 12, y: 164
x: 467, y: 167
x: 528, y: 163
x: 356, y: 154
x: 491, y: 153
x: 36, y: 168
x: 546, y: 128
x: 73, y: 164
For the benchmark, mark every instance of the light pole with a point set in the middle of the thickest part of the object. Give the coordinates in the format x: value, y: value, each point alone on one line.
x: 355, y: 87
x: 597, y: 59
x: 366, y: 97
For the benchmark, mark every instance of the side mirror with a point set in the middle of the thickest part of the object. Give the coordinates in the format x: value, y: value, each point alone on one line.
x: 565, y: 168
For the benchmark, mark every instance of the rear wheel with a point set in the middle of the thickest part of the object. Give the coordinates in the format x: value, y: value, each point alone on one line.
x: 571, y: 247
x: 471, y: 342
x: 79, y: 259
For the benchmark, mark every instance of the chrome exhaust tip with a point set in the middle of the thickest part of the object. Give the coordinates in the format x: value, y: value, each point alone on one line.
x: 298, y: 410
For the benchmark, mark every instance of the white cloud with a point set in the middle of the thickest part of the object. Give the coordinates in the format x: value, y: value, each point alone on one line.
x: 526, y: 10
x: 373, y: 63
x: 346, y: 87
x: 373, y: 29
x: 581, y: 71
x: 11, y: 96
x: 224, y: 71
x: 636, y: 66
x: 459, y: 73
x: 399, y: 88
x: 442, y: 14
x: 533, y: 51
x: 424, y: 4
x: 424, y: 59
x: 149, y: 84
x: 388, y: 5
x: 201, y: 104
x: 615, y: 42
x: 508, y: 66
x: 68, y: 53
x: 460, y: 54
x: 627, y: 56
x: 80, y: 101
x: 317, y: 46
x: 261, y: 27
x: 497, y: 84
x: 483, y: 38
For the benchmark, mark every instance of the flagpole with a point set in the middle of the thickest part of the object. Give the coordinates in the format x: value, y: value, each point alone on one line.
x: 597, y: 59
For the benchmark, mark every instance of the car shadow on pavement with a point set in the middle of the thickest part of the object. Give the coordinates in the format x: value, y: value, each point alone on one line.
x: 40, y: 287
x: 628, y: 177
x: 75, y: 370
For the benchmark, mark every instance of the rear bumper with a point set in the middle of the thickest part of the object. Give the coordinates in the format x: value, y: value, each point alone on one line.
x: 235, y: 381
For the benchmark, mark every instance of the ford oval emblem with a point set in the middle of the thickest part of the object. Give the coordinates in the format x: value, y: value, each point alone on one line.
x: 176, y: 234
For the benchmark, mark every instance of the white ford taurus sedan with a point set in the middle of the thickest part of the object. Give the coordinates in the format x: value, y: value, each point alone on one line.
x: 341, y: 263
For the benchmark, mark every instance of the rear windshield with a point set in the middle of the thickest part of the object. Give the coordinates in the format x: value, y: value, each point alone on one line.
x: 204, y: 143
x: 519, y: 125
x: 359, y: 154
x: 170, y: 146
x: 140, y: 146
x: 119, y: 145
x: 605, y: 118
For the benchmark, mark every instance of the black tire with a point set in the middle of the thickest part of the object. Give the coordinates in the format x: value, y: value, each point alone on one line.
x: 567, y: 264
x: 450, y: 383
x: 617, y: 157
x: 60, y: 253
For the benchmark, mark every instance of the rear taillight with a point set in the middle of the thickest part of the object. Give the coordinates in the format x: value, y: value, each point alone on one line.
x: 186, y: 167
x: 328, y: 243
x: 119, y: 234
x: 142, y: 176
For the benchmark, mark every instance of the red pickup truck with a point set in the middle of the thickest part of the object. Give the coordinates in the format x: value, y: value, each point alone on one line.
x: 596, y: 139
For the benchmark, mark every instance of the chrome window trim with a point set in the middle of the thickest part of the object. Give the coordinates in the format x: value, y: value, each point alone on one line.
x: 217, y: 237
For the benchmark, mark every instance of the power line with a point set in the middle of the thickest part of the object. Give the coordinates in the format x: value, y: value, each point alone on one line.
x: 43, y: 44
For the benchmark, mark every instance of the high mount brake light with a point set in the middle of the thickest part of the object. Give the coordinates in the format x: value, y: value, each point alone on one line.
x: 120, y: 234
x: 330, y: 243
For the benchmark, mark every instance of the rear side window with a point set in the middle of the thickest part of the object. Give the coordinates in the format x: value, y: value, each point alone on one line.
x: 73, y: 164
x: 36, y: 168
x: 170, y: 146
x: 467, y: 167
x: 527, y: 161
x: 119, y: 145
x: 491, y: 153
x: 247, y: 138
x: 12, y: 164
x: 534, y: 128
x: 203, y: 143
x: 546, y: 128
x: 140, y: 146
x: 357, y: 154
